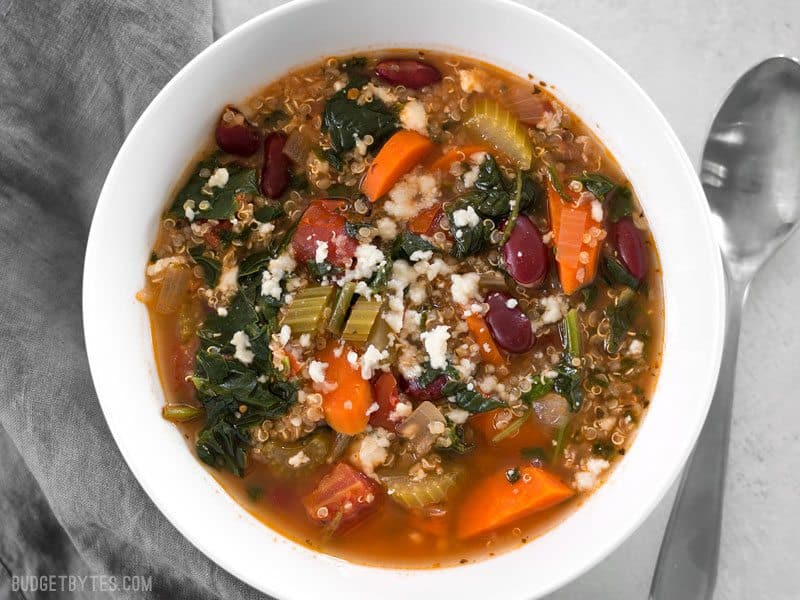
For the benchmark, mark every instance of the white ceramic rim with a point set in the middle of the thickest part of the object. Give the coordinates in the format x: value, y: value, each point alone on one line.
x: 236, y: 554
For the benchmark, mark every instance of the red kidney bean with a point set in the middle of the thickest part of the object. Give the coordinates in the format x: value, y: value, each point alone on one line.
x: 408, y: 72
x: 275, y: 172
x: 525, y: 253
x: 432, y: 391
x: 241, y: 139
x: 509, y: 326
x: 630, y: 246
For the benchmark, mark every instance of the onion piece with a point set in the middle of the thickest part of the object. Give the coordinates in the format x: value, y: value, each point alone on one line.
x: 419, y: 428
x: 297, y: 147
x: 173, y: 289
x: 527, y: 106
x: 551, y: 409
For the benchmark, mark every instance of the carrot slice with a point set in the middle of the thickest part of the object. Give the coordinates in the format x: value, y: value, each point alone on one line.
x: 404, y: 150
x: 495, y: 501
x: 483, y: 337
x: 423, y: 222
x: 345, y: 406
x: 569, y: 223
x: 457, y: 154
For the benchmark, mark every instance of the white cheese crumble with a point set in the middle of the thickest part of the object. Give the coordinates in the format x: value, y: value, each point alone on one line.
x: 384, y: 94
x: 222, y: 311
x: 402, y: 410
x: 411, y: 195
x: 285, y: 335
x: 554, y: 308
x: 414, y: 117
x: 464, y: 288
x: 458, y: 416
x: 316, y: 371
x: 387, y: 229
x: 188, y: 209
x: 466, y: 217
x: 322, y: 252
x: 511, y: 303
x: 471, y: 80
x: 298, y: 460
x: 368, y: 259
x: 218, y: 178
x: 597, y: 211
x: 241, y: 342
x: 275, y: 272
x: 636, y: 348
x: 371, y: 361
x: 228, y: 280
x: 157, y: 269
x: 587, y: 480
x: 436, y: 345
x: 371, y: 451
x: 419, y: 255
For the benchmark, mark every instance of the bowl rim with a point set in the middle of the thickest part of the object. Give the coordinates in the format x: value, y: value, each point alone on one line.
x: 715, y: 331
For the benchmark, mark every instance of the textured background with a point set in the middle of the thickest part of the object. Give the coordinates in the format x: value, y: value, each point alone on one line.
x: 60, y: 518
x: 686, y: 54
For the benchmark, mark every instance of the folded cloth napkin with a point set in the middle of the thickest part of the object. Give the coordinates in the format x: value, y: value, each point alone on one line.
x: 74, y: 76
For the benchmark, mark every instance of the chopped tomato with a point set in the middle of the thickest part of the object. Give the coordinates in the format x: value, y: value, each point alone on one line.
x: 342, y: 498
x: 321, y: 223
x: 386, y: 396
x: 426, y: 221
x: 213, y: 236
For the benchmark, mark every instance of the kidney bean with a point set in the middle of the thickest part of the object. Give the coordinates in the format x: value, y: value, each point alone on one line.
x: 275, y: 172
x: 630, y: 246
x: 432, y: 391
x: 525, y: 253
x: 408, y: 72
x: 237, y: 137
x: 509, y: 326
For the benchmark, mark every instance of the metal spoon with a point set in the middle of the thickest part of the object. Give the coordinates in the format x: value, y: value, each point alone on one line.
x: 751, y: 178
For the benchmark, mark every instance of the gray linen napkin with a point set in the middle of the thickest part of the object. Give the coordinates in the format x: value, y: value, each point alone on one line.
x: 74, y: 76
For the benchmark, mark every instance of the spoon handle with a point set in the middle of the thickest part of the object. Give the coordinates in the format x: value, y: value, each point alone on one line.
x: 687, y: 561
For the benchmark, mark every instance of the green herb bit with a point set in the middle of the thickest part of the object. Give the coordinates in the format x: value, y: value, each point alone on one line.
x: 341, y: 308
x: 540, y: 385
x: 307, y: 311
x: 571, y: 329
x: 363, y: 317
x: 561, y: 436
x: 513, y: 475
x: 181, y: 413
x: 515, y: 206
x: 512, y: 428
x: 617, y: 273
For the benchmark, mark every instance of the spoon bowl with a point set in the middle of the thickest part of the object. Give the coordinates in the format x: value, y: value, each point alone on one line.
x: 750, y: 165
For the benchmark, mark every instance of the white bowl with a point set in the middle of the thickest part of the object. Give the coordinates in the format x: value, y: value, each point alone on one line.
x: 165, y: 140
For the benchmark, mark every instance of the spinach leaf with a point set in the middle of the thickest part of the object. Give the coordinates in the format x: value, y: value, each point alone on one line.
x: 351, y: 228
x: 469, y: 399
x: 344, y: 120
x: 620, y: 203
x: 617, y: 273
x: 568, y: 383
x: 492, y: 195
x: 407, y: 243
x: 223, y: 445
x: 597, y: 184
x: 191, y: 189
x: 223, y: 200
x: 268, y: 213
x: 540, y: 386
x: 240, y: 314
x: 467, y: 240
x: 320, y: 271
x: 211, y: 266
x: 457, y: 435
x: 380, y: 279
x: 589, y: 294
x: 620, y: 317
x: 254, y: 263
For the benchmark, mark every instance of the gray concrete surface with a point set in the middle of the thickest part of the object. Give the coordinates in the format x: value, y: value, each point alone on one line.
x: 686, y: 54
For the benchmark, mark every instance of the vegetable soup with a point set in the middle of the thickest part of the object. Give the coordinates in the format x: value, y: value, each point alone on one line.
x: 407, y: 308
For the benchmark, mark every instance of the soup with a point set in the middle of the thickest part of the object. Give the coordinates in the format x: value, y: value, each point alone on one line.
x: 407, y: 308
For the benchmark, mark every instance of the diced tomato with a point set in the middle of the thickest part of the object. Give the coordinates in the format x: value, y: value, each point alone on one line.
x: 322, y: 223
x: 426, y: 221
x: 342, y: 498
x: 386, y: 396
x: 212, y: 237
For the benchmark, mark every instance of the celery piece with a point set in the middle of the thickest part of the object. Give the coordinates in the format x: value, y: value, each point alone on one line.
x: 415, y: 495
x: 379, y: 337
x: 500, y: 128
x: 341, y: 307
x: 572, y: 333
x: 361, y: 322
x: 181, y: 413
x: 309, y: 308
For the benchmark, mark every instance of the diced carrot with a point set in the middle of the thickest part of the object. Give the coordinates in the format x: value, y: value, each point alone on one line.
x: 345, y: 406
x: 570, y: 223
x: 483, y: 337
x: 404, y: 150
x: 532, y: 433
x: 457, y: 154
x: 496, y: 501
x: 424, y: 221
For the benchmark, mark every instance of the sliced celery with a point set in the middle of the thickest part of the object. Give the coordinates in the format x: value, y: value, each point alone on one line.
x: 415, y: 495
x: 341, y: 307
x: 363, y: 317
x: 500, y: 128
x: 181, y: 413
x: 309, y: 308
